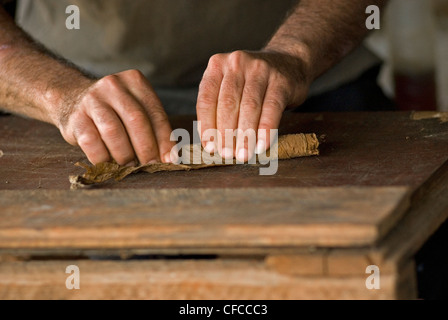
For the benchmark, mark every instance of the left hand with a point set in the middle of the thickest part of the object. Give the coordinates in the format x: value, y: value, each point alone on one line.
x: 248, y: 90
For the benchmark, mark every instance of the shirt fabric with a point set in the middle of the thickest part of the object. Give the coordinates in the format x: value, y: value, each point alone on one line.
x: 170, y: 41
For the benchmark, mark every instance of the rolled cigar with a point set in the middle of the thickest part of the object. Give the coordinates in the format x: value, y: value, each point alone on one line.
x: 292, y: 146
x: 287, y: 147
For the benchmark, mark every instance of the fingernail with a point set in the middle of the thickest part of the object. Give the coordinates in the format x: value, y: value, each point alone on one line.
x: 153, y: 162
x: 131, y: 164
x: 210, y: 147
x: 171, y: 157
x: 261, y: 147
x: 242, y: 154
x: 227, y: 153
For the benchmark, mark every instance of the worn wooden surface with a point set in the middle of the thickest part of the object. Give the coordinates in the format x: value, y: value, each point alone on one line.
x: 374, y: 196
x: 188, y: 279
x: 179, y: 218
x: 360, y: 149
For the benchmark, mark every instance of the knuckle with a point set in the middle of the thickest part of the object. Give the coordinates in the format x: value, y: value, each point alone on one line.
x: 209, y: 82
x: 205, y: 101
x: 282, y: 81
x: 275, y: 105
x: 110, y: 130
x: 86, y: 140
x: 68, y: 136
x: 259, y: 66
x: 280, y: 93
x: 208, y: 93
x: 111, y: 82
x: 215, y: 61
x: 204, y: 86
x: 159, y: 118
x: 204, y: 107
x: 256, y: 85
x: 228, y: 103
x: 90, y: 98
x: 235, y: 59
x: 251, y: 104
x: 101, y: 116
x: 137, y: 118
x: 137, y: 75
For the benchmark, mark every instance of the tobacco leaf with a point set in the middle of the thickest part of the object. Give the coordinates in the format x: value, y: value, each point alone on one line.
x: 287, y: 147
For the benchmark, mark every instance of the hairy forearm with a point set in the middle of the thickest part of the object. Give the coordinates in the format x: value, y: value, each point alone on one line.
x: 322, y: 32
x: 33, y: 82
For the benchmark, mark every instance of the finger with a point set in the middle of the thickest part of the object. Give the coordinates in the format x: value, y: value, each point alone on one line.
x: 112, y: 133
x: 162, y: 130
x: 227, y: 112
x: 89, y: 140
x: 273, y: 106
x: 207, y: 101
x: 146, y: 96
x: 135, y: 120
x: 138, y: 127
x: 250, y: 112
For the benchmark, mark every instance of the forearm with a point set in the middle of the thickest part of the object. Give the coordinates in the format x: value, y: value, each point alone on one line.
x: 322, y: 32
x: 32, y: 81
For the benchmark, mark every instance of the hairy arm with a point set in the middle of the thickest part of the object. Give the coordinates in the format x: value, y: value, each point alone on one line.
x: 32, y: 79
x: 249, y: 90
x: 118, y: 116
x: 322, y: 32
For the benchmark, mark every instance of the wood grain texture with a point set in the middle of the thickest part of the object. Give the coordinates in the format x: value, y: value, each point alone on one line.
x: 428, y: 210
x: 215, y: 279
x: 374, y: 196
x: 199, y: 217
x: 298, y: 264
x: 360, y: 149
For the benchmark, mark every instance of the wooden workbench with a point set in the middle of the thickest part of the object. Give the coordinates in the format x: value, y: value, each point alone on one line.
x: 374, y: 196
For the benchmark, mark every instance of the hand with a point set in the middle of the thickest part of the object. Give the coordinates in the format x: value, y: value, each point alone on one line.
x: 118, y: 117
x: 248, y: 90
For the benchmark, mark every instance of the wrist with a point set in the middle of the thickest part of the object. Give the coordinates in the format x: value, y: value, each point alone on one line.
x: 62, y: 94
x: 298, y: 53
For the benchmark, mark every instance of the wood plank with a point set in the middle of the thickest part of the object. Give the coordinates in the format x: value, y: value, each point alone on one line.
x: 360, y: 149
x: 215, y: 279
x: 385, y: 149
x: 428, y: 211
x: 298, y: 264
x: 394, y: 252
x: 349, y: 262
x: 202, y: 218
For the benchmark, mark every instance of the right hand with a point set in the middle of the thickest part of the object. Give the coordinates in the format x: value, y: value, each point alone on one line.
x: 118, y: 117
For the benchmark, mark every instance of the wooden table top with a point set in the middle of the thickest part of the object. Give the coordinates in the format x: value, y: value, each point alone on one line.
x: 360, y: 149
x: 370, y: 168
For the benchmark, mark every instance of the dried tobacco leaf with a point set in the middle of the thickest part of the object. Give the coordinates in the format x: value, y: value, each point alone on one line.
x: 288, y: 147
